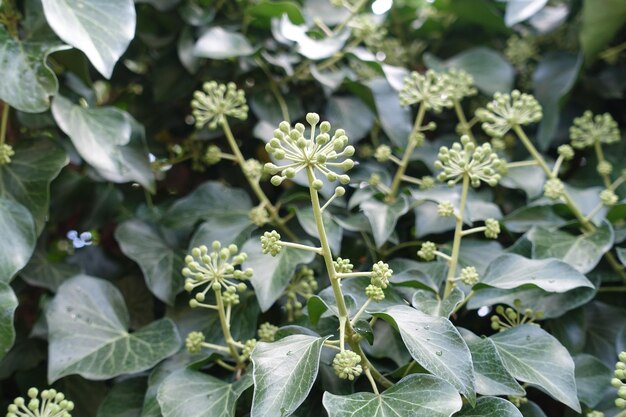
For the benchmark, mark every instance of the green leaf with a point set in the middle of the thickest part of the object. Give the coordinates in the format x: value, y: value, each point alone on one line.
x: 8, y: 304
x: 42, y: 272
x: 18, y: 238
x: 272, y: 274
x: 227, y: 228
x: 582, y: 252
x: 492, y: 378
x: 511, y: 271
x: 424, y: 275
x: 88, y: 332
x: 436, y: 345
x: 600, y: 25
x: 102, y: 29
x: 218, y: 43
x: 530, y: 179
x: 396, y: 121
x: 108, y: 138
x: 207, y: 201
x: 414, y: 395
x: 383, y: 217
x: 351, y: 114
x: 591, y: 376
x: 530, y: 409
x: 519, y: 10
x: 28, y: 82
x: 192, y: 393
x: 27, y: 178
x: 284, y: 373
x: 334, y: 233
x: 160, y: 263
x: 621, y: 254
x: 554, y: 77
x: 430, y: 303
x: 533, y: 356
x: 125, y: 399
x: 490, y: 407
x: 525, y: 218
x: 491, y: 72
x: 265, y: 10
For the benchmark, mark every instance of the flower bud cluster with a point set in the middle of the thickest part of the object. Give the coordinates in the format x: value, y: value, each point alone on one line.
x: 6, y: 152
x: 217, y: 101
x: 320, y: 152
x: 347, y: 365
x: 214, y: 270
x: 343, y: 266
x: 478, y: 163
x: 619, y: 379
x: 445, y: 209
x: 427, y: 251
x: 383, y: 153
x: 492, y: 228
x: 507, y: 318
x: 212, y: 156
x: 431, y: 89
x: 194, y: 342
x: 267, y: 332
x: 428, y: 182
x: 469, y: 276
x: 608, y: 197
x: 374, y: 292
x: 553, y: 189
x: 519, y: 50
x: 270, y: 243
x: 48, y: 403
x: 381, y: 274
x: 594, y: 413
x: 589, y: 129
x: 507, y: 111
x: 460, y: 84
x: 366, y: 28
x: 247, y: 349
x: 566, y: 151
x: 252, y: 169
x: 302, y: 285
x: 604, y: 168
x: 259, y: 215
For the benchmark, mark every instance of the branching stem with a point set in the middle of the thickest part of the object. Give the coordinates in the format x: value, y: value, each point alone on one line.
x: 456, y: 243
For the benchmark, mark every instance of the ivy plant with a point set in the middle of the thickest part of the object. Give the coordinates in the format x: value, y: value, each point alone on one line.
x: 312, y: 208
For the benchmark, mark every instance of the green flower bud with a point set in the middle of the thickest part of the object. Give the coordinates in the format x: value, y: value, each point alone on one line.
x: 6, y: 152
x: 492, y: 228
x: 50, y: 403
x: 247, y: 349
x: 212, y: 156
x: 194, y: 342
x: 620, y: 403
x: 430, y: 88
x: 460, y: 84
x: 374, y: 180
x: 381, y: 274
x: 465, y: 159
x: 252, y: 168
x: 340, y: 191
x: 566, y: 151
x: 343, y: 266
x: 374, y: 292
x: 589, y: 129
x: 604, y: 168
x: 469, y: 276
x: 217, y: 101
x: 622, y: 356
x: 517, y: 401
x: 445, y: 209
x: 259, y: 216
x: 317, y: 184
x: 230, y: 298
x: 428, y: 182
x: 270, y: 243
x: 347, y: 365
x: 366, y: 28
x: 508, y: 110
x: 267, y: 332
x: 553, y: 189
x: 427, y: 251
x: 608, y: 197
x: 383, y: 153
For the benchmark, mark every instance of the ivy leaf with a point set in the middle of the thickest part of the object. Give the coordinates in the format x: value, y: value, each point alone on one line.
x: 525, y: 218
x: 27, y: 178
x: 490, y: 407
x: 530, y: 179
x: 160, y: 263
x: 519, y: 10
x: 600, y: 25
x: 383, y: 217
x: 28, y: 82
x: 228, y: 228
x: 533, y: 356
x: 18, y: 238
x: 396, y: 121
x: 492, y: 378
x: 192, y: 393
x: 436, y: 345
x: 351, y: 114
x: 218, y: 43
x: 583, y: 252
x: 591, y: 376
x: 333, y: 230
x: 431, y: 304
x: 8, y: 304
x: 491, y: 72
x: 511, y: 271
x: 424, y: 275
x: 412, y: 396
x: 42, y: 272
x: 272, y: 274
x: 284, y: 373
x: 102, y: 29
x: 124, y: 400
x: 109, y: 139
x: 88, y: 330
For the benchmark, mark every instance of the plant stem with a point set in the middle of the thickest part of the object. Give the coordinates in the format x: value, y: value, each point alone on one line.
x: 600, y: 155
x: 284, y: 109
x: 353, y: 274
x: 519, y: 164
x: 216, y: 347
x: 612, y: 289
x: 301, y: 247
x: 473, y: 230
x: 408, y: 152
x: 228, y: 338
x: 5, y: 122
x: 334, y: 281
x: 347, y: 20
x: 369, y: 376
x: 467, y: 129
x: 462, y: 303
x: 361, y: 311
x: 456, y: 244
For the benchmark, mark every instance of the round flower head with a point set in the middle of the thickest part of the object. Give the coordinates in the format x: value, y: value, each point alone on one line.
x: 519, y: 50
x: 430, y: 88
x: 259, y: 216
x: 270, y: 243
x: 215, y: 102
x: 194, y: 342
x: 247, y: 349
x: 267, y: 332
x: 589, y: 129
x: 213, y: 155
x: 343, y: 266
x: 252, y: 168
x: 48, y: 403
x: 460, y: 84
x: 6, y: 152
x: 230, y: 296
x: 478, y: 163
x: 566, y: 152
x: 428, y: 182
x: 347, y: 365
x: 214, y: 269
x: 445, y: 209
x: 553, y: 189
x: 320, y: 152
x: 381, y: 274
x: 383, y: 153
x: 492, y: 228
x: 604, y: 168
x: 366, y: 28
x: 427, y: 251
x: 508, y: 110
x: 608, y: 197
x: 374, y: 180
x: 374, y: 292
x: 302, y: 285
x: 469, y: 276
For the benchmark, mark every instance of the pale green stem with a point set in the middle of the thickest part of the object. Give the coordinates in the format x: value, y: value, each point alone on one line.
x: 225, y: 365
x: 395, y: 160
x: 412, y: 180
x: 456, y: 243
x: 443, y: 255
x: 361, y: 311
x: 301, y: 247
x: 408, y: 152
x: 369, y: 376
x: 228, y: 338
x: 335, y: 282
x: 473, y: 230
x: 339, y: 55
x: 354, y: 274
x: 216, y: 347
x: 600, y: 155
x: 462, y: 303
x: 519, y: 164
x: 557, y: 166
x: 594, y: 211
x: 5, y: 121
x: 467, y: 129
x: 612, y: 289
x: 228, y: 156
x: 622, y: 414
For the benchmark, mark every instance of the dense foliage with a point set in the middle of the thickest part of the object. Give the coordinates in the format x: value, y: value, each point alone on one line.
x: 345, y: 208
